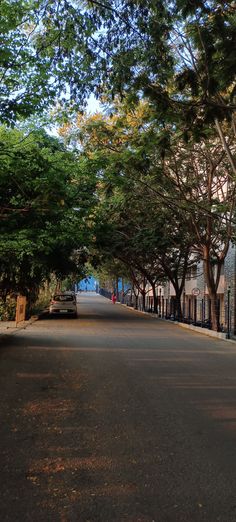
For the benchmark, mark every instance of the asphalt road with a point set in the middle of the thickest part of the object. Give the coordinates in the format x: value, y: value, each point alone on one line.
x: 116, y: 417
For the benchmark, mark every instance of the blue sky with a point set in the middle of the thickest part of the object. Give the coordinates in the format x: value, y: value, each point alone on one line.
x: 93, y: 104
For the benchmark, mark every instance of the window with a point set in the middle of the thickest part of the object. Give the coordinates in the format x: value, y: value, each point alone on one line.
x: 63, y: 298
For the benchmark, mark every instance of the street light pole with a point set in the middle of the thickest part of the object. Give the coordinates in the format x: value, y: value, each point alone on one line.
x: 184, y: 304
x: 228, y: 313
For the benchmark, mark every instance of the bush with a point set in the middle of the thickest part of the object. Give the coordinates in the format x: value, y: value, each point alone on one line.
x: 8, y: 309
x: 41, y: 304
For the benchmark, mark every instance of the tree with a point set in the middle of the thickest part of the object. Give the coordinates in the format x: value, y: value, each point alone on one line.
x: 158, y: 182
x: 179, y: 54
x: 43, y: 209
x: 204, y: 190
x: 46, y: 55
x: 133, y: 223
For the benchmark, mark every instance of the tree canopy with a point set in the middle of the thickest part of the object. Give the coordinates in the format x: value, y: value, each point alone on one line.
x: 164, y: 203
x: 180, y: 54
x: 43, y: 202
x: 165, y: 73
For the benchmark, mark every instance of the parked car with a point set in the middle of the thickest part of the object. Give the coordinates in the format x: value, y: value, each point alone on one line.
x: 71, y: 292
x: 64, y: 303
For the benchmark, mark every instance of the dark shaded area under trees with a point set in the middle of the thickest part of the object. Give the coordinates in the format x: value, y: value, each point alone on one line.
x: 176, y: 157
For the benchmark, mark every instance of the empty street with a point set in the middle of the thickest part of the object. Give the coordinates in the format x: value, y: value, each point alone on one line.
x: 116, y: 417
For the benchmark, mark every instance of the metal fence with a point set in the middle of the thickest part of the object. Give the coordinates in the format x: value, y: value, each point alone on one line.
x: 105, y: 293
x: 195, y: 310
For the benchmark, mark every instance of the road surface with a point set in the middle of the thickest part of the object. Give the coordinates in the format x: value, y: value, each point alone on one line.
x: 116, y: 417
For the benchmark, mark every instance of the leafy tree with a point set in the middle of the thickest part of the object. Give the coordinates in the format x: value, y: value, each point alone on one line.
x: 133, y: 224
x: 180, y: 54
x: 203, y: 182
x: 147, y: 238
x: 46, y: 54
x: 44, y: 201
x: 153, y: 181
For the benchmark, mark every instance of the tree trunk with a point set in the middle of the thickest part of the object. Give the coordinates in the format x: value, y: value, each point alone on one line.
x: 155, y: 298
x: 58, y: 286
x: 178, y: 293
x: 215, y: 322
x: 143, y: 292
x: 226, y: 146
x: 117, y: 288
x: 212, y: 282
x: 179, y: 313
x: 123, y: 290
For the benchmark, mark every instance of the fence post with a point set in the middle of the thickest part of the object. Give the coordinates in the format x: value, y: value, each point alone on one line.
x: 202, y: 319
x: 20, y: 309
x: 195, y: 310
x: 228, y: 313
x: 184, y: 304
x: 160, y: 303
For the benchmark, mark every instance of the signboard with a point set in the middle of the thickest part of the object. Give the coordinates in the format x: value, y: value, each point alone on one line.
x: 20, y: 308
x: 196, y: 291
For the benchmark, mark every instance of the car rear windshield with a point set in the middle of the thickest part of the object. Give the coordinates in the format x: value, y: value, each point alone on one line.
x: 63, y: 298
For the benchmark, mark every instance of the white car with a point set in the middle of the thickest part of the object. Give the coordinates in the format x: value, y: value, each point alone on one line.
x: 64, y: 303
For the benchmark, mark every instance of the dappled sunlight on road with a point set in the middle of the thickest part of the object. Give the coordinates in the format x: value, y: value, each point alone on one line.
x: 48, y: 406
x: 58, y: 464
x: 76, y: 461
x: 33, y: 376
x: 118, y: 417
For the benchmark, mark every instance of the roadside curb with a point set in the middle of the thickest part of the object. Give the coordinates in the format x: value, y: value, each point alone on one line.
x: 12, y: 330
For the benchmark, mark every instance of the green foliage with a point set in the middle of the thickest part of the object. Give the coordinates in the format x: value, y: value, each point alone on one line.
x: 180, y: 54
x: 43, y: 210
x: 162, y: 202
x: 7, y: 309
